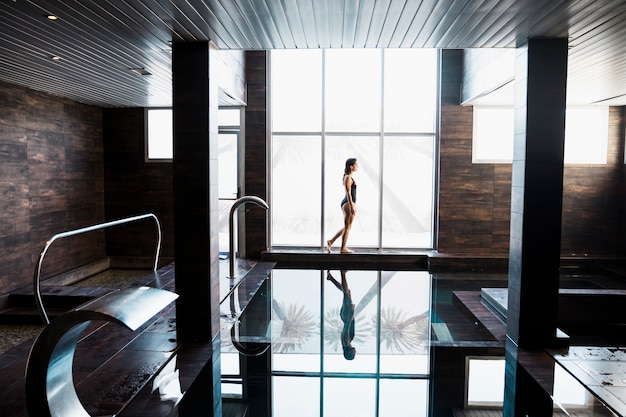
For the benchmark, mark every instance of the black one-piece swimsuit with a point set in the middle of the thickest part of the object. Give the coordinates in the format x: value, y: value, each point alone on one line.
x: 352, y: 192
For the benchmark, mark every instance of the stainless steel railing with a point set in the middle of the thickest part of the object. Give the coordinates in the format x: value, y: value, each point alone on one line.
x: 37, y: 277
x: 231, y: 226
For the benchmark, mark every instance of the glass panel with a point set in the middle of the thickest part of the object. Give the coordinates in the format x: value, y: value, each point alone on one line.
x: 493, y: 135
x: 295, y: 397
x: 403, y: 398
x: 586, y: 133
x: 349, y: 397
x: 364, y: 230
x: 410, y: 90
x: 296, y: 90
x: 353, y: 90
x: 160, y: 134
x: 405, y: 322
x: 227, y: 165
x: 296, y: 190
x: 229, y: 116
x: 295, y: 320
x: 344, y: 290
x: 227, y: 154
x: 408, y: 171
x: 224, y: 212
x: 352, y: 105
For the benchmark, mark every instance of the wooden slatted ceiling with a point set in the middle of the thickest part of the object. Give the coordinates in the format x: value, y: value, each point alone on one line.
x: 100, y: 40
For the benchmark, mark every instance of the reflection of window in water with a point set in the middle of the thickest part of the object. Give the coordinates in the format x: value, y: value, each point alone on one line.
x: 380, y: 380
x: 167, y: 382
x: 485, y: 384
x: 392, y: 315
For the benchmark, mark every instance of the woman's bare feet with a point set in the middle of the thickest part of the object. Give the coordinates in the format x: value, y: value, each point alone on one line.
x: 329, y: 245
x: 346, y: 250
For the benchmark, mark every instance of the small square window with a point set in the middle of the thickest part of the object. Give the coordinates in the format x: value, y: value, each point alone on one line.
x: 586, y: 135
x: 159, y: 135
x: 493, y: 135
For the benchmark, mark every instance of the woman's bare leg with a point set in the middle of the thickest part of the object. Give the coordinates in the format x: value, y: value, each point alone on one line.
x: 348, y: 217
x: 329, y: 242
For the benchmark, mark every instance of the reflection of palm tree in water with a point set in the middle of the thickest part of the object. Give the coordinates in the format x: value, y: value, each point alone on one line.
x: 347, y: 315
x: 398, y: 330
x: 402, y: 333
x: 296, y: 327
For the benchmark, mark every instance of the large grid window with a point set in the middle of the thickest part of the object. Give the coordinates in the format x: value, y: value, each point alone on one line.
x: 376, y: 105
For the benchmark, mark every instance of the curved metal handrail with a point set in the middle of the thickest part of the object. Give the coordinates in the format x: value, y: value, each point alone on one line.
x: 37, y: 279
x: 231, y: 233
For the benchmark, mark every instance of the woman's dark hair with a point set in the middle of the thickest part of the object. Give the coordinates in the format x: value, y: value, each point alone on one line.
x: 349, y: 352
x: 349, y: 163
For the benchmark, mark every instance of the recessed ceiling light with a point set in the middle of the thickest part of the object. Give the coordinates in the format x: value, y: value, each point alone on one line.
x: 56, y: 58
x: 52, y: 17
x: 140, y: 71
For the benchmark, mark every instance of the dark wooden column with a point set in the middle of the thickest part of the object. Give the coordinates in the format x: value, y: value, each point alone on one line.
x: 196, y: 246
x: 537, y: 192
x: 195, y: 191
x: 255, y: 180
x: 536, y: 210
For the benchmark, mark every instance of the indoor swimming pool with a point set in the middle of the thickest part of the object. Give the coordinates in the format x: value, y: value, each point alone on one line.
x: 386, y: 320
x: 420, y: 347
x: 326, y: 342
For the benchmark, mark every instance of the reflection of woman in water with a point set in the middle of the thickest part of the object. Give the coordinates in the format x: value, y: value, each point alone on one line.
x: 348, y: 206
x: 347, y: 315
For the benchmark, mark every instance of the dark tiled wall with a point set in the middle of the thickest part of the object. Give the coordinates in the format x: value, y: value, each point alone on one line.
x: 51, y: 181
x: 256, y: 179
x: 134, y: 186
x: 474, y: 199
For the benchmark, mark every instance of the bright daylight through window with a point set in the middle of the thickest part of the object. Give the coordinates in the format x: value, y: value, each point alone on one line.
x: 485, y: 385
x: 159, y: 144
x: 378, y: 106
x: 586, y: 134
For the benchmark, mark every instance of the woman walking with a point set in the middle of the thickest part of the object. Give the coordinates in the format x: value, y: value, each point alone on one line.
x: 348, y: 206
